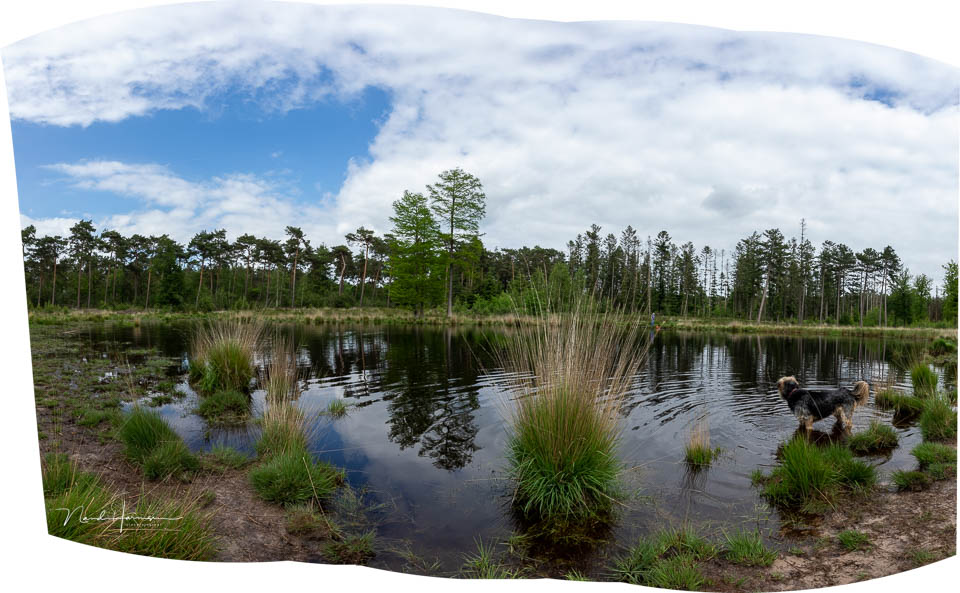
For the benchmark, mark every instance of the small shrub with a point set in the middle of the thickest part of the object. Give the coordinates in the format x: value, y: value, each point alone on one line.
x: 924, y: 380
x: 853, y: 540
x: 224, y: 407
x: 879, y: 437
x: 291, y: 477
x: 744, y: 547
x: 910, y: 480
x: 938, y: 421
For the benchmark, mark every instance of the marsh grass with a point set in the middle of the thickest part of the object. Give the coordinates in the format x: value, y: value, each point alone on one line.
x: 184, y: 533
x: 283, y: 428
x: 484, y: 565
x: 697, y: 452
x: 924, y: 380
x: 808, y: 477
x: 853, y: 540
x: 280, y: 378
x: 291, y: 477
x: 928, y: 454
x: 226, y: 456
x: 222, y: 355
x: 569, y: 375
x: 747, y: 548
x: 224, y: 407
x: 910, y: 480
x: 350, y: 549
x: 877, y: 438
x: 308, y: 520
x: 150, y: 442
x: 938, y: 420
x: 667, y: 560
x: 336, y: 408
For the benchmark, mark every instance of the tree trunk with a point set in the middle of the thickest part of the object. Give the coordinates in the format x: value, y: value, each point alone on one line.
x: 199, y: 286
x: 89, y: 282
x: 363, y: 276
x: 149, y: 274
x: 343, y: 269
x: 763, y: 298
x: 53, y: 295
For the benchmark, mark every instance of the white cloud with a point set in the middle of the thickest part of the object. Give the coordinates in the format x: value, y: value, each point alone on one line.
x: 707, y: 133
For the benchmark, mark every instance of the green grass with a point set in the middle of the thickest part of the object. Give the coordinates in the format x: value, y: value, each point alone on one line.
x: 853, y: 540
x: 150, y: 442
x: 901, y: 404
x: 222, y: 356
x: 169, y: 458
x: 283, y: 429
x: 877, y: 438
x: 351, y: 549
x: 337, y: 408
x: 910, y: 480
x: 226, y: 456
x: 746, y: 547
x: 667, y: 560
x: 924, y: 380
x: 180, y: 530
x: 306, y: 520
x: 809, y: 477
x: 928, y: 454
x: 224, y: 407
x: 93, y: 417
x: 938, y: 421
x: 942, y: 346
x: 698, y: 456
x: 483, y: 565
x: 291, y: 477
x: 676, y: 572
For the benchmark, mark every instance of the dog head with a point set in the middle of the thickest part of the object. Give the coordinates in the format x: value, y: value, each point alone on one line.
x: 786, y: 385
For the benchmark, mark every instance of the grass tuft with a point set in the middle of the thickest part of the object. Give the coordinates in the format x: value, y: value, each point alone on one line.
x: 697, y: 452
x: 745, y: 547
x: 564, y: 427
x: 169, y: 458
x: 901, y: 404
x: 222, y: 356
x: 928, y: 454
x: 938, y: 421
x: 337, y: 408
x: 280, y: 381
x: 284, y: 429
x: 227, y: 456
x: 924, y: 380
x: 352, y: 549
x: 224, y: 407
x: 853, y: 540
x: 910, y: 480
x: 483, y: 565
x: 878, y: 438
x: 291, y: 477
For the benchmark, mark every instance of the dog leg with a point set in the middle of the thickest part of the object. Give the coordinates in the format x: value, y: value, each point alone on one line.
x: 844, y: 422
x: 808, y: 423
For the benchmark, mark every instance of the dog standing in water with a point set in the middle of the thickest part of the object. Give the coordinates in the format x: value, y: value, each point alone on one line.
x: 811, y: 405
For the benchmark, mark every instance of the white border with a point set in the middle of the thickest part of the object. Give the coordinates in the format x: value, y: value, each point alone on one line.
x: 926, y: 27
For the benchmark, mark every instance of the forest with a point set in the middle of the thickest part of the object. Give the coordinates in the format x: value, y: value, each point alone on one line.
x: 433, y: 257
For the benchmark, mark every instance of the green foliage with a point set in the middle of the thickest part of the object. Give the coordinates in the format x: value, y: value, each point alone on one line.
x: 668, y: 560
x: 351, y: 549
x: 337, y: 408
x: 910, y: 480
x: 291, y: 477
x: 809, y: 476
x: 415, y: 262
x: 879, y: 437
x: 143, y: 431
x: 745, y: 547
x: 938, y: 421
x: 699, y: 456
x: 950, y: 288
x: 932, y: 453
x: 483, y: 565
x: 228, y: 456
x: 942, y: 346
x: 223, y: 407
x: 853, y: 540
x: 924, y: 380
x: 901, y: 404
x: 169, y: 458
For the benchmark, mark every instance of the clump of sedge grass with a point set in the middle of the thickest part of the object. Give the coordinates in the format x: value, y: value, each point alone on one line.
x: 227, y: 456
x: 224, y: 407
x: 924, y: 380
x: 483, y: 565
x: 901, y: 404
x: 932, y: 453
x: 746, y: 547
x: 808, y: 477
x: 569, y: 374
x: 307, y: 520
x: 150, y: 442
x: 351, y: 549
x: 177, y: 528
x: 222, y: 356
x: 910, y: 480
x: 284, y: 428
x: 280, y: 381
x: 697, y: 452
x: 938, y: 421
x: 291, y: 477
x: 853, y: 540
x: 878, y: 438
x: 667, y: 560
x: 337, y: 408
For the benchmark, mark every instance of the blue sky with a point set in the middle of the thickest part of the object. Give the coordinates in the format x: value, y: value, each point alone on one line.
x: 254, y: 116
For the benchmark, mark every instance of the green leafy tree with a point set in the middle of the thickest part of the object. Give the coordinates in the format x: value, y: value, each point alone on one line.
x: 459, y: 204
x: 950, y: 290
x: 415, y: 253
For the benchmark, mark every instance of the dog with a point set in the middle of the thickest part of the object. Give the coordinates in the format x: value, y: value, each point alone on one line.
x: 811, y: 405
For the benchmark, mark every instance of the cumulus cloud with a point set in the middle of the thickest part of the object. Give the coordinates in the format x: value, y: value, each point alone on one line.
x: 707, y: 133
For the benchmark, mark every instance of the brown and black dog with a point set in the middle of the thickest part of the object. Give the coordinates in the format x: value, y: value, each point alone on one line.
x: 811, y: 405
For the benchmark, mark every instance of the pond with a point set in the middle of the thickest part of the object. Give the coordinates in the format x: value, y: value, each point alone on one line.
x: 425, y: 433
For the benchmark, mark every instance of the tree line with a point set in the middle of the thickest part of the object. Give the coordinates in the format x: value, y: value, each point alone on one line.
x: 433, y: 257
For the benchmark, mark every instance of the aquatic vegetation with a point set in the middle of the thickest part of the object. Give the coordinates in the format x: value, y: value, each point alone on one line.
x: 924, y: 380
x: 284, y: 428
x: 697, y: 452
x: 280, y: 381
x: 910, y: 480
x: 351, y: 549
x: 150, y: 441
x: 938, y: 420
x: 853, y: 540
x: 928, y: 454
x: 878, y: 437
x: 901, y: 404
x: 291, y: 477
x: 83, y: 495
x: 222, y: 355
x: 307, y: 520
x: 226, y: 456
x: 569, y: 375
x: 169, y: 458
x: 483, y: 565
x: 809, y: 476
x: 942, y: 346
x: 747, y: 547
x: 337, y: 408
x: 224, y: 407
x: 667, y: 560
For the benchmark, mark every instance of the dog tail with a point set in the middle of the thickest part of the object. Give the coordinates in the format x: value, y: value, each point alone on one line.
x: 861, y: 391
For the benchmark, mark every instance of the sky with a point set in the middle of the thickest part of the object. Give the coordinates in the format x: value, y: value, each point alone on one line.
x: 253, y: 117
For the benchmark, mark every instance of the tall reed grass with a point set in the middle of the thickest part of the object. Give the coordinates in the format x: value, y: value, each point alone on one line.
x: 924, y: 380
x: 697, y: 452
x: 280, y: 377
x: 222, y: 355
x: 569, y: 375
